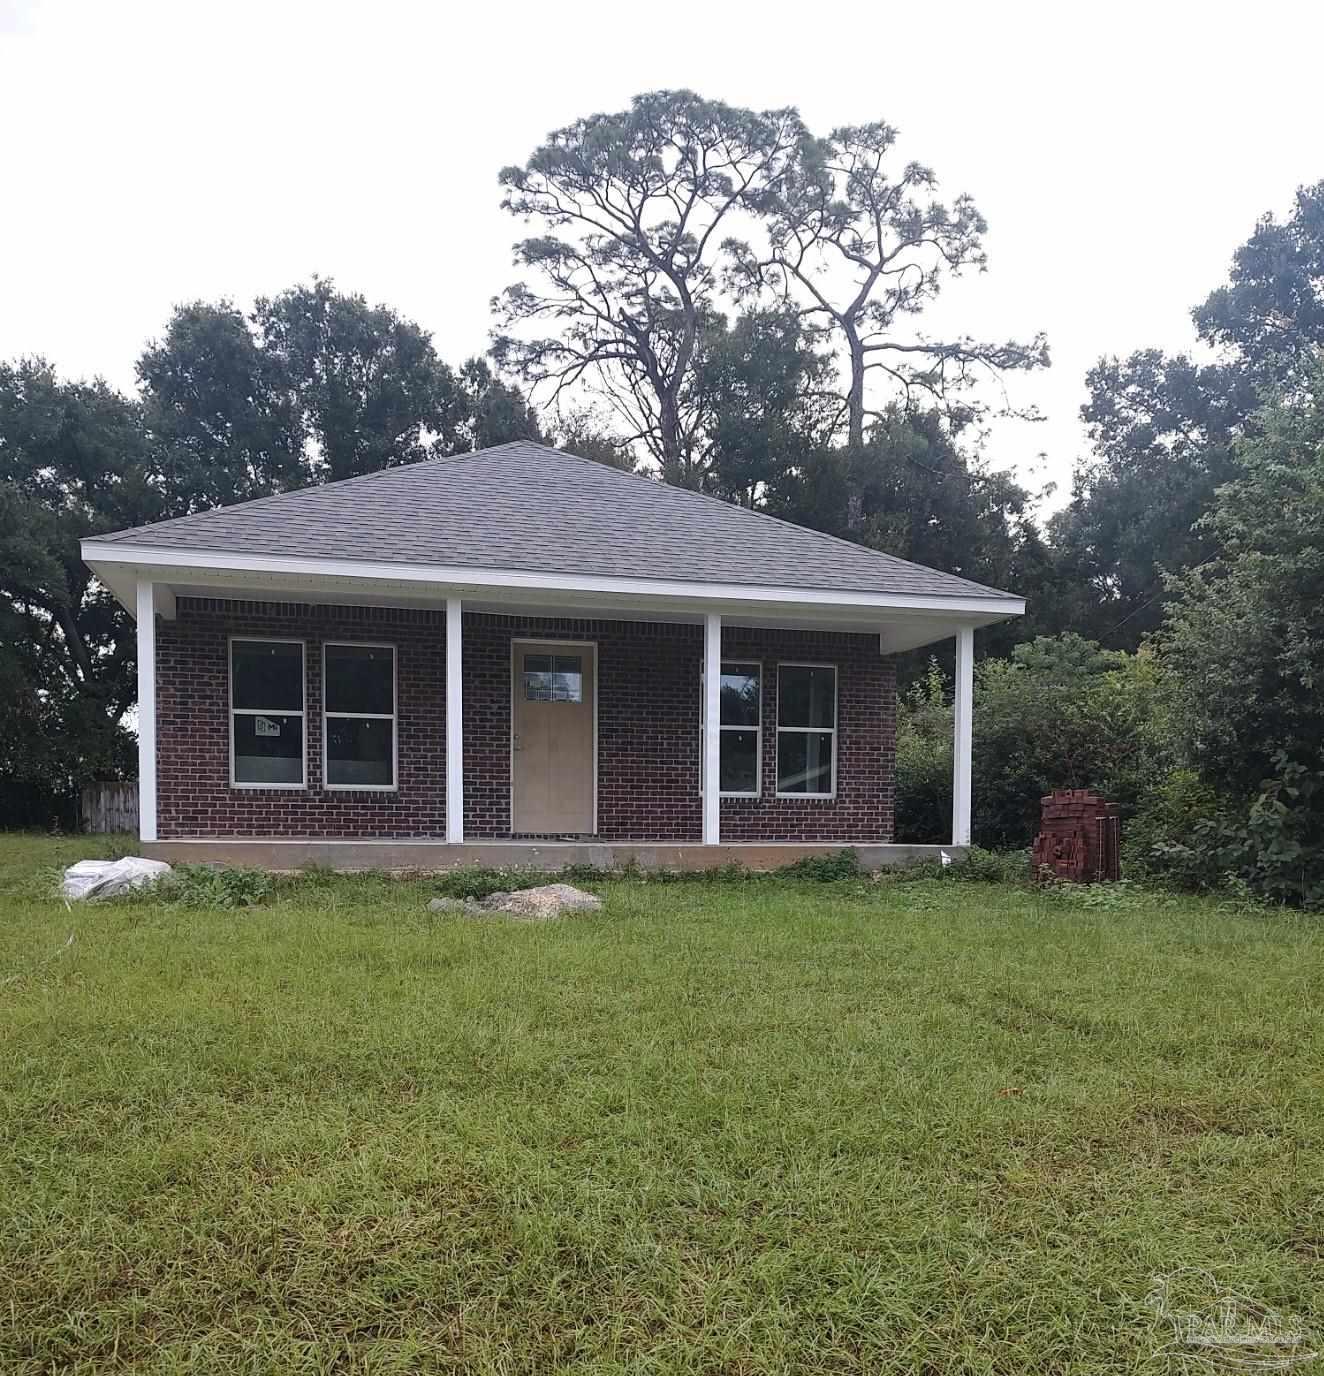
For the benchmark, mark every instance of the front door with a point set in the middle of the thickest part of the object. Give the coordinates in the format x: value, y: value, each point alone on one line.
x: 552, y: 746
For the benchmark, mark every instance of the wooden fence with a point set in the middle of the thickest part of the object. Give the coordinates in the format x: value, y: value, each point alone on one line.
x: 111, y: 806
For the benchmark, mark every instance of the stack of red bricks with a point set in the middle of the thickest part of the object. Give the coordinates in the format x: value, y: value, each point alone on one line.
x: 1079, y: 838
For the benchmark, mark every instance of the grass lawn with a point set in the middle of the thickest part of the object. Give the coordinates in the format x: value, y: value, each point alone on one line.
x: 722, y: 1127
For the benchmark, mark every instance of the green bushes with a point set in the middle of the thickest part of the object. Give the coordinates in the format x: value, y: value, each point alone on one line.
x: 1274, y: 848
x: 825, y: 869
x: 1059, y: 713
x: 218, y: 886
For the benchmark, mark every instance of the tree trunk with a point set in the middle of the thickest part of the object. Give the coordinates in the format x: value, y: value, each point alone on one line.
x: 675, y: 470
x: 855, y: 432
x: 855, y: 397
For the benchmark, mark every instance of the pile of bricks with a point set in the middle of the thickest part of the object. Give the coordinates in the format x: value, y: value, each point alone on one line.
x: 1079, y: 838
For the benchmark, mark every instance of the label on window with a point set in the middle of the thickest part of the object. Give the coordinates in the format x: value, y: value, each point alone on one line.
x: 264, y: 726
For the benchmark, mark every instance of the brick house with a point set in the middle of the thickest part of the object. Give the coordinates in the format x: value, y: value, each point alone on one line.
x: 520, y: 656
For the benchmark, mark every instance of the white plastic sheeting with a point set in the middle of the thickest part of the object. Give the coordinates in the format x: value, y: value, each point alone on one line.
x: 106, y: 878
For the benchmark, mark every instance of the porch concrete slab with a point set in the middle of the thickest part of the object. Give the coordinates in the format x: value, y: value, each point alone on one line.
x: 295, y: 854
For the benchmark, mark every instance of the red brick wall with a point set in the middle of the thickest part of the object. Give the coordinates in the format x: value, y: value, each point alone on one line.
x: 194, y: 796
x: 648, y: 729
x: 864, y: 808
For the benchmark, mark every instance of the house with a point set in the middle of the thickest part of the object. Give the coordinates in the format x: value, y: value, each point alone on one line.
x: 521, y: 656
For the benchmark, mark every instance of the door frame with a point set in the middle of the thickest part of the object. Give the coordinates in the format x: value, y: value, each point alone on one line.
x: 516, y: 644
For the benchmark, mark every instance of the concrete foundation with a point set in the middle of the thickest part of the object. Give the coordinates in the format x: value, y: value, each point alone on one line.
x: 297, y: 854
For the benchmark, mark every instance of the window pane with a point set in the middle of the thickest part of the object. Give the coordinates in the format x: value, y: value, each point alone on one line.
x: 359, y: 751
x: 268, y: 749
x: 740, y: 695
x: 806, y: 697
x: 567, y: 679
x: 804, y: 762
x: 537, y: 686
x: 359, y: 678
x: 267, y: 675
x: 740, y: 762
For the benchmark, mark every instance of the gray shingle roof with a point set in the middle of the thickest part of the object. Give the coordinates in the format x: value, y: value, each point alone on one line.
x: 527, y: 507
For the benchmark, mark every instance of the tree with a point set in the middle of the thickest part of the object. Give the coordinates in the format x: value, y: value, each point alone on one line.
x: 859, y: 251
x: 315, y: 384
x: 75, y: 460
x: 1163, y: 426
x: 764, y: 388
x: 1270, y: 315
x: 369, y: 386
x: 1244, y: 632
x: 1162, y: 429
x: 228, y: 420
x: 634, y: 206
x: 912, y: 491
x: 495, y: 412
x: 1243, y: 641
x: 583, y: 431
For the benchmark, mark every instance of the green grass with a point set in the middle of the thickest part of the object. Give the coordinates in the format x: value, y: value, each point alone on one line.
x: 724, y: 1127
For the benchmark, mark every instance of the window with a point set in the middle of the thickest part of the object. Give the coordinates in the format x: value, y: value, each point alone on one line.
x: 553, y: 678
x: 266, y: 713
x: 358, y: 713
x: 740, y: 729
x: 806, y: 730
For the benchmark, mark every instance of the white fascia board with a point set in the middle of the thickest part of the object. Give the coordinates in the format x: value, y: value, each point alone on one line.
x: 472, y: 580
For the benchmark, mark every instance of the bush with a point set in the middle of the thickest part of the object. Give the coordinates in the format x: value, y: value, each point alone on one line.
x: 1059, y: 713
x: 825, y: 869
x: 1169, y: 816
x: 982, y: 866
x: 1273, y: 851
x: 472, y: 881
x: 924, y: 761
x: 219, y: 886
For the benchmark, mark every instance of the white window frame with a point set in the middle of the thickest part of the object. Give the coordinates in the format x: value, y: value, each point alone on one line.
x: 807, y: 730
x: 393, y: 716
x: 302, y: 713
x: 757, y: 729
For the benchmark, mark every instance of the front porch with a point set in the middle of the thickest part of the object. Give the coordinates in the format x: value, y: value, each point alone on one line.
x: 720, y: 725
x: 431, y: 856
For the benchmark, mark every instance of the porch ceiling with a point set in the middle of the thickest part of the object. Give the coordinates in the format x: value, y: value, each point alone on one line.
x: 902, y: 622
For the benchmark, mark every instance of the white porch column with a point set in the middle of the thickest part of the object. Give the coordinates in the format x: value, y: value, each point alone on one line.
x: 963, y: 736
x: 146, y: 615
x: 712, y: 736
x: 454, y: 722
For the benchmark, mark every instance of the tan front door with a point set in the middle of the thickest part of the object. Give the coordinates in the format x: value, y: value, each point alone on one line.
x: 552, y: 748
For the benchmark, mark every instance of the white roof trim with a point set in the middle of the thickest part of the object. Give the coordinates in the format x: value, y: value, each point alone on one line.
x: 478, y: 579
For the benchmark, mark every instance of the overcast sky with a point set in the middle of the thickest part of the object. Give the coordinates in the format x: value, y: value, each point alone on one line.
x: 158, y: 153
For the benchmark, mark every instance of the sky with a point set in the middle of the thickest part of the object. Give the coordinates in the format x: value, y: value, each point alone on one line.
x: 157, y: 153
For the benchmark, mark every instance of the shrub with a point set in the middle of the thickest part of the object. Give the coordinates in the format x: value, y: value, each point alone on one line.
x: 219, y: 886
x: 472, y: 881
x: 982, y: 866
x: 924, y: 761
x: 1274, y: 850
x: 1059, y: 713
x: 825, y: 869
x: 1168, y: 816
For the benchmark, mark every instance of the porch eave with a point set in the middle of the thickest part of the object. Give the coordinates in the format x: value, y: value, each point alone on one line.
x: 902, y: 620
